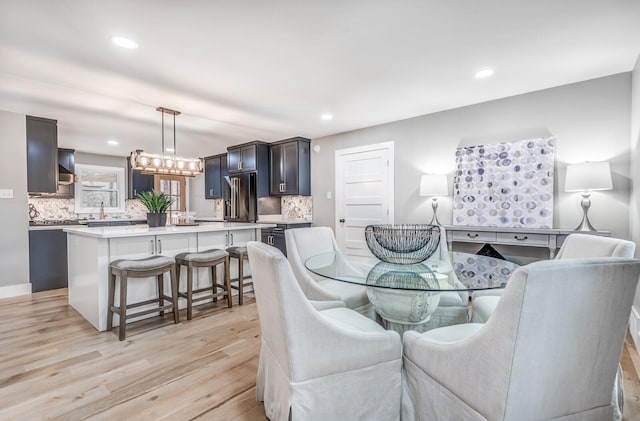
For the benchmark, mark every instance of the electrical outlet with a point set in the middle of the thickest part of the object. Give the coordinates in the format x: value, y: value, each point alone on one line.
x: 328, y: 195
x: 6, y: 193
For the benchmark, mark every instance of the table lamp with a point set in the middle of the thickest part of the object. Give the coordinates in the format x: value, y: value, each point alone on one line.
x: 434, y: 185
x: 587, y: 177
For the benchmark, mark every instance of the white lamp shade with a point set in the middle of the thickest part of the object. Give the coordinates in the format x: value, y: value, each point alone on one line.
x: 434, y: 185
x: 588, y: 176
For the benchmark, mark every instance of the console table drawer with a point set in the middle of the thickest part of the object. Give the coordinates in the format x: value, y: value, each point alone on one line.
x: 526, y: 239
x: 474, y: 236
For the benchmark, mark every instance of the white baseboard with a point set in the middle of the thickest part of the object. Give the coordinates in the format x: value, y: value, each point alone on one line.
x: 634, y: 327
x: 15, y: 290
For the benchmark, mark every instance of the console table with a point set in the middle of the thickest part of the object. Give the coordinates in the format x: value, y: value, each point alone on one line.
x: 527, y: 237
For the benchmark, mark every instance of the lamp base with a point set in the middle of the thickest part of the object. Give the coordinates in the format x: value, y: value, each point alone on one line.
x: 585, y: 224
x: 434, y: 206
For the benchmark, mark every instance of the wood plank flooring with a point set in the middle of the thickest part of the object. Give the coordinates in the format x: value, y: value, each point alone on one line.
x: 54, y: 365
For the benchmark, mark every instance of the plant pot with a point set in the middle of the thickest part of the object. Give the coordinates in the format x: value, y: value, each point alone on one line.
x: 156, y: 219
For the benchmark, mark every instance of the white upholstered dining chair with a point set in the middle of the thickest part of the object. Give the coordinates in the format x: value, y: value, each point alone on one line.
x: 334, y: 364
x: 574, y: 246
x: 303, y: 243
x: 540, y: 357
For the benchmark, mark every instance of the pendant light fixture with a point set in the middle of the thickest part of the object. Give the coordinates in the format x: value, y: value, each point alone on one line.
x: 164, y: 163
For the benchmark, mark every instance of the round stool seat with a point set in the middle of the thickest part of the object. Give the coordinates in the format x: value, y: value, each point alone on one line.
x: 237, y: 251
x: 148, y: 263
x: 202, y: 256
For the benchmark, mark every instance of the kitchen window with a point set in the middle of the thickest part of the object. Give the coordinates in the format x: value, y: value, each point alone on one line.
x: 99, y: 187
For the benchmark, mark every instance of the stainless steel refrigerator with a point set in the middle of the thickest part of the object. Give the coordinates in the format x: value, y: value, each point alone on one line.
x: 242, y: 205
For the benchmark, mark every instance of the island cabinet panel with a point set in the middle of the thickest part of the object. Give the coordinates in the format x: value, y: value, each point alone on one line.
x: 90, y: 251
x: 132, y: 248
x: 147, y: 246
x: 223, y: 240
x: 212, y: 240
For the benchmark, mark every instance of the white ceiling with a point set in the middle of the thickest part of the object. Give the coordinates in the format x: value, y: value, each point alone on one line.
x: 244, y: 70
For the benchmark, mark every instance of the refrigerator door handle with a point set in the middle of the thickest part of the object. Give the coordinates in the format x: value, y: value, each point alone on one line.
x: 234, y: 198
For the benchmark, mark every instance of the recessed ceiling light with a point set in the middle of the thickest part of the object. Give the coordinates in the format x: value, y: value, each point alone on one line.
x: 112, y: 142
x: 124, y: 42
x: 484, y: 73
x: 326, y: 116
x: 169, y: 150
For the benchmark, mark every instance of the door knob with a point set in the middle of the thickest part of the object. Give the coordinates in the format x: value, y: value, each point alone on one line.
x: 341, y: 220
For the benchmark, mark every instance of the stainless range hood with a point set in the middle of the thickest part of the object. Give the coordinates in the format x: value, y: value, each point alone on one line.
x: 65, y: 176
x: 66, y: 167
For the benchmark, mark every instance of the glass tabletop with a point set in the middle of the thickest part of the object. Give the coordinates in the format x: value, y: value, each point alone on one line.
x: 455, y: 272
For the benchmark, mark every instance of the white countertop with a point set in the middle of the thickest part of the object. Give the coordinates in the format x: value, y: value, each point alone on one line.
x: 279, y: 219
x: 53, y: 227
x: 142, y: 230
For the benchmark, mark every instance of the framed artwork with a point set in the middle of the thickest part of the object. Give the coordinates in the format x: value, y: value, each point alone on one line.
x: 505, y: 184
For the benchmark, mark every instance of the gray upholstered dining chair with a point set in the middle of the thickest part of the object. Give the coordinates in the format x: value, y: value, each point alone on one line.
x: 303, y: 243
x: 319, y: 365
x: 574, y: 246
x: 540, y: 356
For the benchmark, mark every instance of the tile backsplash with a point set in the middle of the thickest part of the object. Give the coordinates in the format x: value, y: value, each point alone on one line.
x: 50, y: 209
x: 297, y: 207
x: 292, y: 207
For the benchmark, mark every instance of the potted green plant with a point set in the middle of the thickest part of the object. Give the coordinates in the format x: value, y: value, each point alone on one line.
x: 157, y: 205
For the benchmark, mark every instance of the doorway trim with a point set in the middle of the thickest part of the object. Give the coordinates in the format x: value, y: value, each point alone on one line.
x: 390, y: 174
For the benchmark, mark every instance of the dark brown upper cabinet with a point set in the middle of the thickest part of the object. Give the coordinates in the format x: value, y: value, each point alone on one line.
x: 289, y: 162
x: 139, y: 182
x: 252, y: 156
x: 42, y: 155
x: 215, y: 169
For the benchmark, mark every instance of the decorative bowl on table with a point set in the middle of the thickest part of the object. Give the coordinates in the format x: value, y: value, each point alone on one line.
x: 402, y: 244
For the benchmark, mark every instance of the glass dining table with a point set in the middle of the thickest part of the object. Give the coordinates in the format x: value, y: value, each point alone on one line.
x: 405, y: 296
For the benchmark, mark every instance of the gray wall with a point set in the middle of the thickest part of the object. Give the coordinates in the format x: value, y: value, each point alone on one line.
x: 104, y: 160
x: 635, y: 171
x: 14, y: 216
x: 590, y: 121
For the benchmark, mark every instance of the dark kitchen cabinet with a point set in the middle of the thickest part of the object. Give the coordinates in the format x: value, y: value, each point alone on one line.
x: 252, y: 157
x: 42, y: 155
x: 215, y: 169
x: 289, y: 163
x: 247, y: 157
x: 47, y: 259
x: 275, y: 236
x: 138, y: 182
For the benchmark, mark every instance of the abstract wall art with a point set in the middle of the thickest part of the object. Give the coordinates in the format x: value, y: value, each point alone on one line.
x: 505, y: 184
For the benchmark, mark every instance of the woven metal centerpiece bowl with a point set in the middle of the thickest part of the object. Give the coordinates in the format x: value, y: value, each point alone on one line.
x: 402, y: 244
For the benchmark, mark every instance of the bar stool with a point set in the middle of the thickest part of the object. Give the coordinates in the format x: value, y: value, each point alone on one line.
x: 241, y: 254
x: 151, y: 266
x: 211, y: 259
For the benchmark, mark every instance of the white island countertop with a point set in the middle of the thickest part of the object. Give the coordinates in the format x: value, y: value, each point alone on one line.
x: 142, y: 230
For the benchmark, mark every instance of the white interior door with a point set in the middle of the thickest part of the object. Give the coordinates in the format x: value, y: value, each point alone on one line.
x: 364, y: 193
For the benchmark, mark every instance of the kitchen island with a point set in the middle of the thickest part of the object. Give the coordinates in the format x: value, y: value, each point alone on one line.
x: 90, y: 250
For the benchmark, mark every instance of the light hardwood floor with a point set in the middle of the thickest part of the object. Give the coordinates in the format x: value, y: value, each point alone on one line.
x: 54, y: 365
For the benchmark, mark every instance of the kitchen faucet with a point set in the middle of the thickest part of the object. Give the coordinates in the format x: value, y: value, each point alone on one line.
x: 101, y: 215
